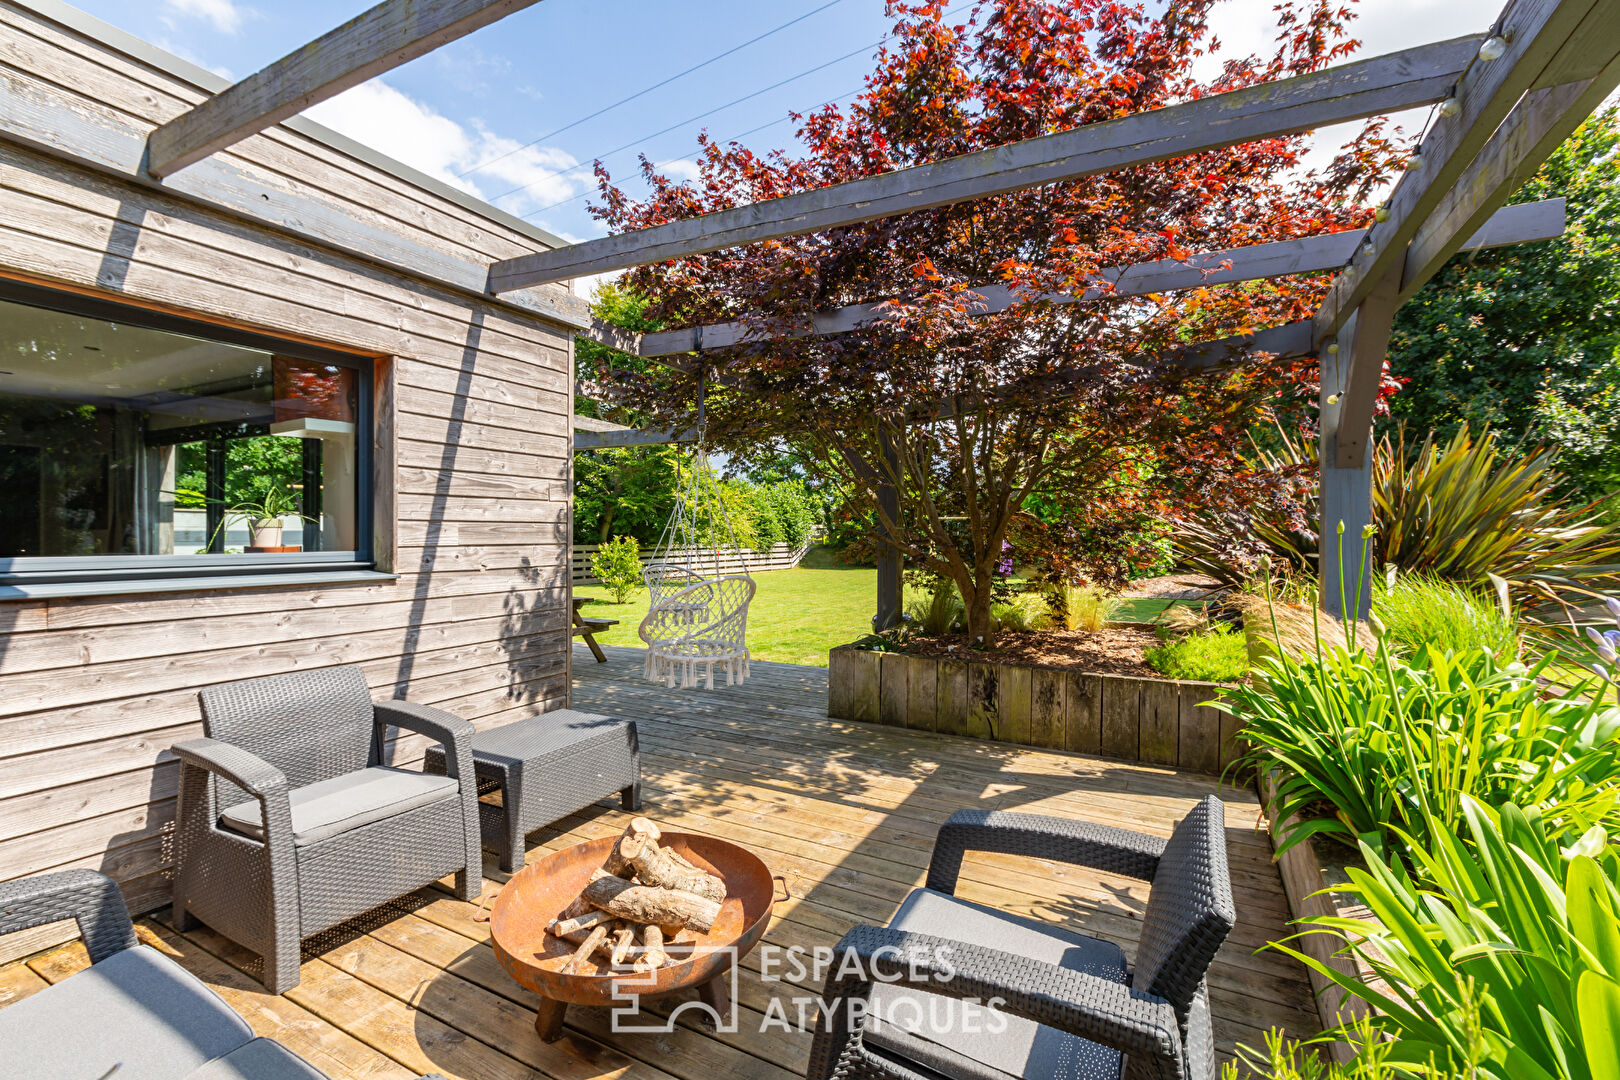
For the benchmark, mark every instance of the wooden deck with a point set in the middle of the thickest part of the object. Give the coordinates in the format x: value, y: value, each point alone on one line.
x: 846, y: 811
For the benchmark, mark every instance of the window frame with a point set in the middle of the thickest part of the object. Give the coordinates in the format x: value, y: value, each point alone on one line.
x: 123, y: 572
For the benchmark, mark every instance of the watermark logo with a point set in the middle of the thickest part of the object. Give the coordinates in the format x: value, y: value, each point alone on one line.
x: 794, y: 977
x: 630, y: 1019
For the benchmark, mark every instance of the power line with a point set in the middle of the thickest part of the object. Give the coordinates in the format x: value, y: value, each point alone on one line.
x: 682, y: 123
x: 700, y: 116
x: 673, y: 160
x: 647, y: 90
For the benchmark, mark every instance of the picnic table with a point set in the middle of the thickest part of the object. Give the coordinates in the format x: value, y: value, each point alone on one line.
x: 588, y: 628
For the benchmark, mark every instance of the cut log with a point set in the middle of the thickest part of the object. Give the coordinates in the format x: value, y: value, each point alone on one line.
x: 567, y: 928
x: 636, y: 836
x: 656, y: 865
x: 648, y: 904
x: 623, y: 938
x: 598, y: 934
x: 653, y: 955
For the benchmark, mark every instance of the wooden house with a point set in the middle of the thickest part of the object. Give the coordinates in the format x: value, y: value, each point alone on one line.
x: 298, y: 312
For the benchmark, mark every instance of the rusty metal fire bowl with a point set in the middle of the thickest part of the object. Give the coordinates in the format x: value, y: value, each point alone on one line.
x: 541, y: 891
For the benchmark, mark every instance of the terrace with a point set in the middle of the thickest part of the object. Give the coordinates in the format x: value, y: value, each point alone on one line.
x: 846, y: 812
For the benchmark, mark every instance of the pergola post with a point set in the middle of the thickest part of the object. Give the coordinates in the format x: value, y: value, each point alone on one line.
x: 889, y: 578
x: 1352, y: 368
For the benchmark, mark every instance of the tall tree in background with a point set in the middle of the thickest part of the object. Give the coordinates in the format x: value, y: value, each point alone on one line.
x: 1526, y: 339
x: 1050, y: 428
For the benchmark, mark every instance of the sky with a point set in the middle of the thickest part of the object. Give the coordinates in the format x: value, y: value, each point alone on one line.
x: 516, y: 112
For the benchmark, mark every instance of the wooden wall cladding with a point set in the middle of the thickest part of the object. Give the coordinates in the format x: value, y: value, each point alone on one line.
x: 1154, y: 721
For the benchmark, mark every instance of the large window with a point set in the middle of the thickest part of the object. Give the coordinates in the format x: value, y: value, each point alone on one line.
x: 135, y: 445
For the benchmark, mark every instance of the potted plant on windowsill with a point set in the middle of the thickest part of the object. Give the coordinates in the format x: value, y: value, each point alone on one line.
x: 265, y: 515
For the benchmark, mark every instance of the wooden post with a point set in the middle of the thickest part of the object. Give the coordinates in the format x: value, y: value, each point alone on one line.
x: 1352, y: 368
x: 889, y: 586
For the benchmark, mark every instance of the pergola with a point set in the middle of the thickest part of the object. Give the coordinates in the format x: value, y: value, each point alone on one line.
x: 1510, y: 97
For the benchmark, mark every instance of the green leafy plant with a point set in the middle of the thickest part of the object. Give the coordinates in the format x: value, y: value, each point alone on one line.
x: 1392, y: 745
x: 1025, y: 611
x: 1500, y: 958
x: 1461, y: 510
x: 271, y: 506
x: 617, y: 565
x: 939, y: 612
x: 1418, y: 610
x: 1218, y: 654
x: 1085, y: 607
x: 1291, y: 1059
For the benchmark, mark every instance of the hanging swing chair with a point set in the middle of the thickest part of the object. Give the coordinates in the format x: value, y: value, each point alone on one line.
x: 698, y: 618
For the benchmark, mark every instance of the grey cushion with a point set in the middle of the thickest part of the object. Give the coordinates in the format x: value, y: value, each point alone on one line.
x: 137, y: 1011
x: 325, y: 809
x: 962, y: 1040
x: 261, y: 1059
x: 535, y: 736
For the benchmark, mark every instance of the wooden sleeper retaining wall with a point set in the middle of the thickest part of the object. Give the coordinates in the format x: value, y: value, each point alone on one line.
x: 1155, y: 721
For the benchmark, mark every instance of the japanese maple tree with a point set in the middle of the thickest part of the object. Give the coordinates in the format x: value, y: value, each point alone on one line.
x: 1050, y: 429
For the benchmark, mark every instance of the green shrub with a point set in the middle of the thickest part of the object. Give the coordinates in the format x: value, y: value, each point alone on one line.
x: 1461, y: 510
x: 617, y: 565
x: 1501, y: 959
x: 1026, y: 611
x: 1417, y: 610
x: 1214, y: 655
x: 939, y: 612
x: 1086, y: 607
x: 1392, y: 745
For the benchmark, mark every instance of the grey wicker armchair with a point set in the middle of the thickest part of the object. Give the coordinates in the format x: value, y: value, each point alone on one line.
x: 290, y: 823
x: 908, y: 1002
x: 134, y: 1013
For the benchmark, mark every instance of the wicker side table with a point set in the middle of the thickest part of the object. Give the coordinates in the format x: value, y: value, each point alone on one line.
x: 547, y: 767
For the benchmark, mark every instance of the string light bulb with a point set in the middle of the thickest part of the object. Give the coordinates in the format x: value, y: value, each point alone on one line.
x: 1333, y: 347
x: 1367, y: 247
x: 1414, y: 163
x: 1451, y: 107
x: 1382, y: 213
x: 1333, y: 399
x: 1493, y: 48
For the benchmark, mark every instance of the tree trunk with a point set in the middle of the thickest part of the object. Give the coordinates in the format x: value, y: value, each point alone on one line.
x: 981, y: 630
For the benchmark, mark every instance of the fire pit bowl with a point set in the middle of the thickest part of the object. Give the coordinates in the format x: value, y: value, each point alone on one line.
x: 542, y: 890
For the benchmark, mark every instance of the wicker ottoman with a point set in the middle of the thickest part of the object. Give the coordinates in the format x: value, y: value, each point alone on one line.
x: 547, y: 767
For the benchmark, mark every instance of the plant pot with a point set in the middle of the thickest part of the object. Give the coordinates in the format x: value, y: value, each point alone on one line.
x: 264, y: 532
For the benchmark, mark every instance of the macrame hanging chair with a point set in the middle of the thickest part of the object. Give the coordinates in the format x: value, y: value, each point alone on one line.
x: 698, y: 618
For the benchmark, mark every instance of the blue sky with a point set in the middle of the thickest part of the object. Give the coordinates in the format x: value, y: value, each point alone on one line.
x: 465, y: 112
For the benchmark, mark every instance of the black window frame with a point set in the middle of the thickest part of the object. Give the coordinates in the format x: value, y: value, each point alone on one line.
x: 121, y: 571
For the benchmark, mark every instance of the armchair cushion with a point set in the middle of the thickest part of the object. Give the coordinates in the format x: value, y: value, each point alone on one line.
x: 261, y: 1059
x: 137, y: 1011
x: 956, y: 1039
x: 324, y: 809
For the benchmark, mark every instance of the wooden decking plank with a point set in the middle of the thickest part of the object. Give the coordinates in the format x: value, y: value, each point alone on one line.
x: 273, y: 1016
x: 18, y: 981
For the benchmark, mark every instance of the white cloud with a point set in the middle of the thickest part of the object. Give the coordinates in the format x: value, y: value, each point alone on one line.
x: 224, y: 15
x: 684, y: 169
x: 408, y: 130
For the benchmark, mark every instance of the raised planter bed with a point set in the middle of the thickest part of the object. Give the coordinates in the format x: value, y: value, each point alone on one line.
x: 1156, y: 721
x: 1307, y: 870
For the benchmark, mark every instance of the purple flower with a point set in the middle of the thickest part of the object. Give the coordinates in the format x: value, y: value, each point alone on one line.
x: 1005, y: 566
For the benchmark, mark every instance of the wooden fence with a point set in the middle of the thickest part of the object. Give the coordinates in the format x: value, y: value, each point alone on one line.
x: 1155, y: 721
x: 780, y: 557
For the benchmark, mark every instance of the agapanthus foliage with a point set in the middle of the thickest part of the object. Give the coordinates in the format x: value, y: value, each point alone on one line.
x: 1053, y: 427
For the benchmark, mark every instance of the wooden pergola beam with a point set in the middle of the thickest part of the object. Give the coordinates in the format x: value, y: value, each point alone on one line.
x: 1535, y: 31
x: 1533, y: 129
x: 1373, y: 87
x: 591, y: 433
x: 1518, y: 224
x: 375, y: 41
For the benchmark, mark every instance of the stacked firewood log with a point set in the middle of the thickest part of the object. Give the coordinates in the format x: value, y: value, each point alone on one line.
x: 644, y: 900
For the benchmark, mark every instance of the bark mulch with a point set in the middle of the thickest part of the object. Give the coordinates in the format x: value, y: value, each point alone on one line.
x: 1115, y: 651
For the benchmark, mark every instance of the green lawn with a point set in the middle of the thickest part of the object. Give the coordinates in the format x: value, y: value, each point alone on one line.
x: 796, y: 616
